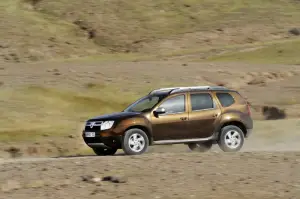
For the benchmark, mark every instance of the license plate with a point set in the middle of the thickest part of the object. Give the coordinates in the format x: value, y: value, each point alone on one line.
x: 89, y: 134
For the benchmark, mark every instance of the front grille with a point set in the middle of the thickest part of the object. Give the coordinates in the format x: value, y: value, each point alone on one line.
x: 93, y: 126
x: 94, y: 129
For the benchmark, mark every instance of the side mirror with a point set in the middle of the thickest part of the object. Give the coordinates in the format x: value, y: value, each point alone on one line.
x: 160, y: 110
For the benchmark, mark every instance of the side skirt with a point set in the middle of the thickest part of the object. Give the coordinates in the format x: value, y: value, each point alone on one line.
x: 183, y: 141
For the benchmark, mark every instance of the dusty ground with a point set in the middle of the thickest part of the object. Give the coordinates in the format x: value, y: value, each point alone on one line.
x: 168, y: 175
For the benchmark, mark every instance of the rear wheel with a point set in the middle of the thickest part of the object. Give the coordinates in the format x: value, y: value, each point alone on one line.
x: 103, y: 151
x: 200, y: 146
x: 231, y: 138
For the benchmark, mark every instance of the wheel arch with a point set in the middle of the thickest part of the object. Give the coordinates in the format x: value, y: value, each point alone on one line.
x: 237, y: 123
x: 143, y: 128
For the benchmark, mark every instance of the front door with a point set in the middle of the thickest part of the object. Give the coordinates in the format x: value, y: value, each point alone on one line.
x: 172, y: 124
x: 203, y: 115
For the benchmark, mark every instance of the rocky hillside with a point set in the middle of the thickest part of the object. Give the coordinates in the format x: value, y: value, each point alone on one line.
x: 33, y: 30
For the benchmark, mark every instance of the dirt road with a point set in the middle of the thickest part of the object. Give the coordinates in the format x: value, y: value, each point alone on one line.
x: 157, y: 175
x: 265, y: 168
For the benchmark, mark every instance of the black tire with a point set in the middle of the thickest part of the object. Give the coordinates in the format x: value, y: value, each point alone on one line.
x: 223, y: 142
x: 200, y: 146
x: 128, y: 147
x: 104, y: 151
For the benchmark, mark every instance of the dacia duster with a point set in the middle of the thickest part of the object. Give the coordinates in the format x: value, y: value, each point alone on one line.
x: 196, y: 116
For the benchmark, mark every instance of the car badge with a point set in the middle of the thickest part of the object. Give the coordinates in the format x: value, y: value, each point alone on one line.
x: 92, y: 124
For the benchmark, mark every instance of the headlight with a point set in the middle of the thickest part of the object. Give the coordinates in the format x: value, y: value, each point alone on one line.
x: 107, y: 125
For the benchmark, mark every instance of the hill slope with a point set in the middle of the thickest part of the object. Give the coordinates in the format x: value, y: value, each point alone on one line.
x: 34, y: 30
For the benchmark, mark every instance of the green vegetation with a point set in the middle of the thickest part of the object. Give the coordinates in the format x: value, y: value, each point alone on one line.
x: 40, y: 112
x: 281, y: 53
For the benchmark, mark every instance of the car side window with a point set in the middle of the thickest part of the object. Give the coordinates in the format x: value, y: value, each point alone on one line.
x: 201, y: 101
x: 225, y: 99
x: 174, y: 104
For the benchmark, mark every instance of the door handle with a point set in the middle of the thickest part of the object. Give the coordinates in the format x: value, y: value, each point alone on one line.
x: 183, y: 118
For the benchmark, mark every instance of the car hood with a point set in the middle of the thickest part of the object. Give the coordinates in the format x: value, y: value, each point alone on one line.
x: 114, y: 116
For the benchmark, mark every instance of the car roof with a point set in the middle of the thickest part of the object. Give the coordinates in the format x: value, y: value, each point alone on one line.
x: 173, y: 90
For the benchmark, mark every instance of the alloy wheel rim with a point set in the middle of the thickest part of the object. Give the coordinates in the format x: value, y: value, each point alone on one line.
x: 233, y: 139
x: 136, y: 142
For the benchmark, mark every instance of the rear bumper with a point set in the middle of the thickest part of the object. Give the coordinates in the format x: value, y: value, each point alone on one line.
x: 249, y: 132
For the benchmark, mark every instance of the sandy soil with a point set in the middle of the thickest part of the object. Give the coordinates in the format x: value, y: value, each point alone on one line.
x: 168, y: 175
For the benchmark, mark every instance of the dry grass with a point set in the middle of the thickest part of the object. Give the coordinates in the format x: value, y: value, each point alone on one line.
x: 45, y: 112
x: 279, y: 53
x: 130, y: 30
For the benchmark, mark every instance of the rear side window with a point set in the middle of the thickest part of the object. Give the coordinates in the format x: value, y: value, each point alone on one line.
x: 225, y: 99
x: 201, y: 101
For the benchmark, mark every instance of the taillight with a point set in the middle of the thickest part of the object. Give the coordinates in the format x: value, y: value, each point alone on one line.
x: 248, y: 108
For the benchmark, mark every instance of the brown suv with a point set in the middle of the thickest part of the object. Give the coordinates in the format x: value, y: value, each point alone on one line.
x: 197, y: 116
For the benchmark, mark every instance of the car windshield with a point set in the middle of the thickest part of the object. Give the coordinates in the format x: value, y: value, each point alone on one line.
x: 145, y: 103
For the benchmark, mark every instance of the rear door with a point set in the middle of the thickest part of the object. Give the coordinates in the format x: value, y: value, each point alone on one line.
x: 203, y: 114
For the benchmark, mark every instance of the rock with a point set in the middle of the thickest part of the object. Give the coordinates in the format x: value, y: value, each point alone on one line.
x: 82, y: 24
x: 95, y: 179
x: 86, y: 177
x: 14, y: 152
x: 92, y: 34
x: 53, y: 70
x: 220, y: 83
x: 90, y: 179
x: 114, y: 179
x: 273, y: 113
x: 57, y: 73
x: 257, y: 81
x: 95, y: 192
x: 295, y: 31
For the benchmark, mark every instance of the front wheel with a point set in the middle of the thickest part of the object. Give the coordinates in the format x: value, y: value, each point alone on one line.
x: 231, y: 138
x: 135, y: 142
x: 104, y: 151
x: 200, y: 146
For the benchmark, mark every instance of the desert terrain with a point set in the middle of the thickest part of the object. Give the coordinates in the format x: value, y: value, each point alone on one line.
x: 62, y: 63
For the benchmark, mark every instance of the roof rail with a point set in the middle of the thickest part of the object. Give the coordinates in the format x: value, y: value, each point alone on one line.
x: 201, y: 88
x: 162, y: 89
x: 171, y: 89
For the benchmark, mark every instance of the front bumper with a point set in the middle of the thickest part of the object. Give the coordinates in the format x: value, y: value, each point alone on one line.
x: 98, y: 140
